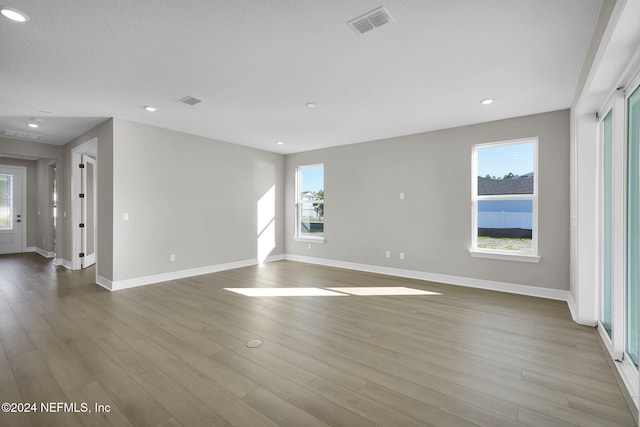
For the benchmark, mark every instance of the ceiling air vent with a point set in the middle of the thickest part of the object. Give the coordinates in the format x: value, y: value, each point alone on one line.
x: 191, y: 100
x: 20, y: 134
x: 370, y: 20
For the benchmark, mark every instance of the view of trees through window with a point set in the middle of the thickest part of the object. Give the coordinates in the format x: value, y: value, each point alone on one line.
x: 311, y: 200
x: 505, y: 198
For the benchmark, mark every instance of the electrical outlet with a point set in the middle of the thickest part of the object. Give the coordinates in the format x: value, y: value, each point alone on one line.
x: 309, y: 246
x: 401, y: 255
x: 388, y: 254
x: 125, y: 216
x: 401, y: 196
x: 172, y: 257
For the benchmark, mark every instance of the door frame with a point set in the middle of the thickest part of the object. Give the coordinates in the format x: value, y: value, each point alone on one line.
x: 23, y: 171
x: 89, y: 148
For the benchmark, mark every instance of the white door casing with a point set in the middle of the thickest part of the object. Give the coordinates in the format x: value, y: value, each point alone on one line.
x: 90, y: 149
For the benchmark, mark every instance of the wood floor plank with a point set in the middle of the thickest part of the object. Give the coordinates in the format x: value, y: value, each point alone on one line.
x: 107, y: 415
x: 38, y: 386
x: 140, y: 408
x: 321, y: 408
x: 174, y: 353
x: 280, y: 410
x: 10, y: 393
x: 64, y: 366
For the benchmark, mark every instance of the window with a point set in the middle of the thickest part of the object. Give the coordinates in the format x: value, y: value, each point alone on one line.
x: 310, y: 202
x: 6, y: 201
x: 505, y: 200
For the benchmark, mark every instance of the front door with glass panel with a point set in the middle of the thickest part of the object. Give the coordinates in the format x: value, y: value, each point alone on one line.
x: 11, y: 214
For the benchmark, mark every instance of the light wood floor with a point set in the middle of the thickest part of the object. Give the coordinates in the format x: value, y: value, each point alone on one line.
x: 175, y: 354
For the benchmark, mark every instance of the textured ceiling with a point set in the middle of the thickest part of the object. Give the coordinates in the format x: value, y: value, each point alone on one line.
x: 258, y: 63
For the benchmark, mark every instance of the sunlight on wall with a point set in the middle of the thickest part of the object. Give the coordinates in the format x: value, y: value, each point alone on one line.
x: 266, y: 224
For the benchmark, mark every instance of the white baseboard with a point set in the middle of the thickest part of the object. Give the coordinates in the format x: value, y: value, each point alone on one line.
x: 181, y: 274
x: 44, y: 253
x: 572, y: 308
x: 63, y: 262
x: 575, y: 314
x: 105, y: 283
x: 513, y: 288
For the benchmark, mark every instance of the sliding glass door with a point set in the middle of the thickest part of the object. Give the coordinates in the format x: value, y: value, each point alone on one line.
x: 619, y: 231
x: 633, y: 224
x: 607, y: 221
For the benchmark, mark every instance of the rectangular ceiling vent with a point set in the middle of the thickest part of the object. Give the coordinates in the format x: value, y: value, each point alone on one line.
x: 21, y: 135
x: 191, y: 100
x: 370, y: 20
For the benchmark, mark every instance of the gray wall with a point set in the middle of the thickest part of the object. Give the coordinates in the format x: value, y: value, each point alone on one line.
x: 432, y: 226
x: 189, y: 196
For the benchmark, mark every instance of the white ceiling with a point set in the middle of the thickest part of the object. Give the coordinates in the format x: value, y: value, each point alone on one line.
x: 258, y: 63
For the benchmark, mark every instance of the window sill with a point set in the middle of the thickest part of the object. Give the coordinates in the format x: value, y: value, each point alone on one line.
x: 309, y: 239
x: 505, y: 256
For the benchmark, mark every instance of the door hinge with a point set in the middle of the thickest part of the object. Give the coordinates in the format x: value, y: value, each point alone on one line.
x: 81, y: 225
x: 81, y: 165
x: 81, y: 195
x: 81, y: 255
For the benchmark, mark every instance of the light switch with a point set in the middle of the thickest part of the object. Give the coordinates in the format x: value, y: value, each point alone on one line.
x: 401, y: 196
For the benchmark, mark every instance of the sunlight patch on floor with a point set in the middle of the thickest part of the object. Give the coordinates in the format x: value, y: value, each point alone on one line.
x: 382, y: 290
x: 329, y: 292
x: 285, y: 292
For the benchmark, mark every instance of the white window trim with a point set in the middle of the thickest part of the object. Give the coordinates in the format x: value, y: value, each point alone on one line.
x: 503, y: 255
x: 476, y: 252
x: 310, y: 239
x: 298, y: 236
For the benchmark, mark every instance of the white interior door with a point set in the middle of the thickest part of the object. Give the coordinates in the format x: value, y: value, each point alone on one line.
x: 88, y: 208
x: 12, y: 218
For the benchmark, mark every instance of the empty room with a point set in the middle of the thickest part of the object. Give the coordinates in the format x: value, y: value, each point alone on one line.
x: 319, y: 213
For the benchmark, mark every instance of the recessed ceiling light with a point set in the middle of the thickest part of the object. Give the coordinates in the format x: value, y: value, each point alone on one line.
x: 312, y: 105
x: 33, y: 125
x: 280, y: 142
x: 14, y: 14
x: 148, y: 108
x: 486, y: 101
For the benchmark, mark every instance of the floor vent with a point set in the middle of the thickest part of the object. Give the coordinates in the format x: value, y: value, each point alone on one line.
x: 191, y: 100
x: 370, y: 20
